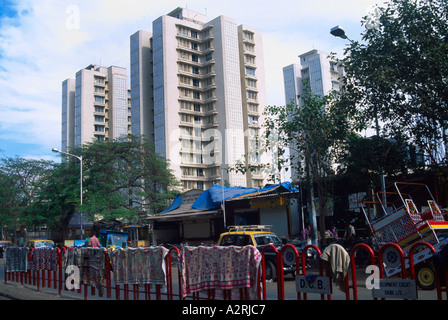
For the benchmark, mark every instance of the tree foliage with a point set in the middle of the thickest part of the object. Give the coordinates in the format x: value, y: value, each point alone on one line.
x: 20, y: 183
x: 365, y: 158
x: 124, y: 176
x: 315, y: 132
x: 398, y: 74
x: 122, y: 179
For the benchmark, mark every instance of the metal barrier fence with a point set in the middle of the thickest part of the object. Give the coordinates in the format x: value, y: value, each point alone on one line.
x: 57, y: 279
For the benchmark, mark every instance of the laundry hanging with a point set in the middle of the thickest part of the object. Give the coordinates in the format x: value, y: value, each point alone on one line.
x: 16, y: 259
x: 93, y: 261
x: 221, y: 268
x: 143, y: 265
x: 45, y: 259
x: 339, y: 261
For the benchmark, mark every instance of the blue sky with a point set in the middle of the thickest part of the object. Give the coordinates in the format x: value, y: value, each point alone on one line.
x: 43, y: 42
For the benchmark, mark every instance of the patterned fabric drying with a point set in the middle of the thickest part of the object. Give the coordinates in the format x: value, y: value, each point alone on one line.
x: 93, y: 271
x: 16, y: 259
x: 45, y: 259
x: 72, y: 257
x: 219, y: 268
x: 139, y: 265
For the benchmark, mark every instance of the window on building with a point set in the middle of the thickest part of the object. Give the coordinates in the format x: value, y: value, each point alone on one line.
x: 99, y: 118
x: 99, y: 137
x: 249, y: 47
x: 253, y: 107
x: 99, y: 128
x: 99, y: 89
x: 250, y: 72
x: 99, y: 80
x: 253, y: 120
x: 251, y: 83
x: 99, y: 99
x: 248, y: 36
x: 252, y: 95
x: 250, y: 59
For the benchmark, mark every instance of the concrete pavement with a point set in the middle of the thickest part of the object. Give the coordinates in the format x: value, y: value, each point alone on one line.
x: 15, y: 291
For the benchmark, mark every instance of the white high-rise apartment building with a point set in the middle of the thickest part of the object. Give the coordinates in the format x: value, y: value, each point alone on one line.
x: 95, y: 106
x: 318, y: 69
x: 322, y: 73
x: 198, y: 93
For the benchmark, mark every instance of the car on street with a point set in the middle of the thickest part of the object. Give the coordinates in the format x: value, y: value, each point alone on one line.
x: 40, y: 243
x: 259, y: 236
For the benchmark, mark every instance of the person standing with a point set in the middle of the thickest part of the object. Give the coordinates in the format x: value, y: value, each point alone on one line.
x: 94, y: 242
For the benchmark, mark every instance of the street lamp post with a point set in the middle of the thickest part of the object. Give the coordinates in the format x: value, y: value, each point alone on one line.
x: 80, y: 184
x: 339, y: 32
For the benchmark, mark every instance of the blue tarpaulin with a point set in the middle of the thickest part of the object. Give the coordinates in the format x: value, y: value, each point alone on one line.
x: 213, y: 197
x: 175, y: 204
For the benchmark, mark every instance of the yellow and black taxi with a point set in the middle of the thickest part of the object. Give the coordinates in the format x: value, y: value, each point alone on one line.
x: 259, y: 236
x: 40, y: 243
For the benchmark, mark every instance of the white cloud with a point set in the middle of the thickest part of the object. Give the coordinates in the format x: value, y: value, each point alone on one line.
x: 46, y: 44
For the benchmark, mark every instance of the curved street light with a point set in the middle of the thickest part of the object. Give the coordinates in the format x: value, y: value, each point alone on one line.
x: 80, y: 184
x: 339, y: 32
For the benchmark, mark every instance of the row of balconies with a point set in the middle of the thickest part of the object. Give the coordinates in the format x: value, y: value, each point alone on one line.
x: 198, y: 99
x: 197, y: 38
x: 196, y: 50
x: 197, y: 63
x: 198, y: 88
x: 199, y: 113
x: 197, y: 75
x: 203, y: 125
x: 214, y: 176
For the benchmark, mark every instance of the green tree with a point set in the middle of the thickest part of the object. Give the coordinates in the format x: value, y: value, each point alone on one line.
x: 366, y: 158
x: 398, y: 74
x: 58, y: 197
x: 124, y: 178
x: 20, y: 184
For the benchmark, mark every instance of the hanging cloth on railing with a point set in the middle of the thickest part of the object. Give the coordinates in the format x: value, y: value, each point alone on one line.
x: 143, y: 265
x: 16, y: 259
x: 45, y: 259
x: 72, y: 257
x: 221, y: 268
x: 339, y: 261
x: 93, y: 261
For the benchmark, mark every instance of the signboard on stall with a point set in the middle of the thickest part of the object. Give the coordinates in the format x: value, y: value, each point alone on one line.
x: 264, y: 202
